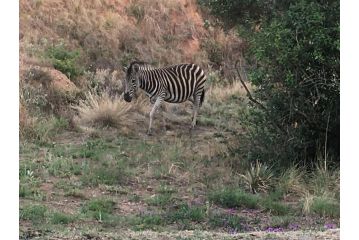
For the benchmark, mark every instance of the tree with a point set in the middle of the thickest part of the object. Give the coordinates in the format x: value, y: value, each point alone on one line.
x: 296, y: 74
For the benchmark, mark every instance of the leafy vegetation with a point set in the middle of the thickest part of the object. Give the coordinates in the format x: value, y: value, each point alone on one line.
x: 296, y: 74
x: 86, y: 161
x: 65, y: 61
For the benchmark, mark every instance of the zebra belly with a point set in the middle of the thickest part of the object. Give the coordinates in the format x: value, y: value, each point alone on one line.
x: 171, y: 99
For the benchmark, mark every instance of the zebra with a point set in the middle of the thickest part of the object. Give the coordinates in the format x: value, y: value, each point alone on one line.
x: 173, y: 84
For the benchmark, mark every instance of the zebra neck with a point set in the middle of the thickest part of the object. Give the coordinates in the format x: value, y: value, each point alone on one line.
x: 144, y: 85
x: 148, y: 84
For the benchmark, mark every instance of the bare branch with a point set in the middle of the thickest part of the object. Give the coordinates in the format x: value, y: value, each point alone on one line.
x: 249, y: 95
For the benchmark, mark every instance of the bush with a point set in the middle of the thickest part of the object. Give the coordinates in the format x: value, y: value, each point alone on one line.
x: 65, y: 61
x: 294, y: 53
x: 258, y: 177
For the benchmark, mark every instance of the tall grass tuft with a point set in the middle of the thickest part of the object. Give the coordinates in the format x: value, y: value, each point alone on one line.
x: 258, y: 178
x: 103, y: 111
x: 291, y: 181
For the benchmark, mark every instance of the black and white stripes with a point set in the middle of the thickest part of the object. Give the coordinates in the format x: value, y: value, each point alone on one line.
x: 174, y: 84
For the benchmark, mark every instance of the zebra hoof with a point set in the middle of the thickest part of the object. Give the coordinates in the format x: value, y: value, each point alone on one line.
x: 149, y: 132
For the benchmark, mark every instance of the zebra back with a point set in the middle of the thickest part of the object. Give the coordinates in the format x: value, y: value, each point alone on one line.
x: 176, y: 83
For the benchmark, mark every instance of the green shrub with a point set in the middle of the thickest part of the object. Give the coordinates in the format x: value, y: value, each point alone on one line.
x: 294, y: 57
x: 214, y: 51
x: 258, y: 178
x: 65, y: 61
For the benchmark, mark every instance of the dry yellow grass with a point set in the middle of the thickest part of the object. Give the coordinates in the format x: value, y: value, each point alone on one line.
x: 103, y: 111
x: 220, y: 94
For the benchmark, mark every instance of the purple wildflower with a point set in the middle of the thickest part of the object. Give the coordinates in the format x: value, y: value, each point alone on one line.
x: 232, y: 211
x: 293, y: 226
x: 232, y: 231
x: 329, y: 226
x: 276, y: 229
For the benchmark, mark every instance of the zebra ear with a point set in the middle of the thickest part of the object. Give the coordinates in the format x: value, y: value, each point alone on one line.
x: 124, y: 69
x: 136, y: 67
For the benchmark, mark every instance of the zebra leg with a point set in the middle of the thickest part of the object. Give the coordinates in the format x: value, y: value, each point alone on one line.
x: 163, y: 110
x: 195, y: 109
x: 154, y: 108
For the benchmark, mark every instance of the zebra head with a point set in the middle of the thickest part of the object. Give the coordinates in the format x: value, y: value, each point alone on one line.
x: 131, y: 81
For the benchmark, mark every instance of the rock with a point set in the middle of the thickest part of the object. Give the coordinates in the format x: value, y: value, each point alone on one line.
x: 61, y: 82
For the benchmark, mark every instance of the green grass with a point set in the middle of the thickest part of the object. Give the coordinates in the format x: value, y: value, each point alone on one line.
x: 232, y: 198
x: 61, y: 218
x: 134, y: 198
x: 227, y: 221
x: 108, y: 172
x: 160, y: 199
x: 324, y: 206
x: 275, y: 207
x: 98, y: 209
x: 29, y: 191
x: 147, y: 221
x: 165, y: 189
x: 281, y: 221
x: 62, y: 166
x: 76, y: 193
x: 34, y: 213
x: 185, y: 212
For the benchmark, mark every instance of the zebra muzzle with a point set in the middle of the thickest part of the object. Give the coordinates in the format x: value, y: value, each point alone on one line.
x: 127, y: 97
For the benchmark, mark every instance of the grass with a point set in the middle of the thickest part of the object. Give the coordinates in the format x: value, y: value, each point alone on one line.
x: 291, y: 181
x: 232, y: 198
x: 95, y: 156
x: 324, y: 206
x: 258, y: 178
x: 62, y: 166
x: 160, y: 199
x: 147, y: 221
x: 185, y: 212
x: 107, y: 172
x: 103, y: 111
x: 230, y: 221
x: 281, y: 221
x: 61, y: 218
x: 275, y: 207
x: 98, y: 209
x: 34, y: 213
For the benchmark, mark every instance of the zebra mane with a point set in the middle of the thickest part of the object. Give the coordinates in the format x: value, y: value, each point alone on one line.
x: 143, y: 66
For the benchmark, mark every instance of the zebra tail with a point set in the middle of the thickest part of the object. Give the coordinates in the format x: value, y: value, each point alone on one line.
x: 202, y: 98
